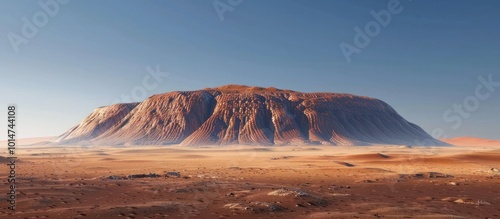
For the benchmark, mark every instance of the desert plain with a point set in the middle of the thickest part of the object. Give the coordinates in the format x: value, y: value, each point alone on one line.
x: 237, y: 181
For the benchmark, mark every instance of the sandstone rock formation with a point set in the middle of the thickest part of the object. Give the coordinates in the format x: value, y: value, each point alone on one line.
x: 98, y: 122
x: 236, y: 114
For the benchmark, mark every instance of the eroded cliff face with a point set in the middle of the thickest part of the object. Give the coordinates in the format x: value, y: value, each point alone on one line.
x: 235, y: 114
x: 98, y: 122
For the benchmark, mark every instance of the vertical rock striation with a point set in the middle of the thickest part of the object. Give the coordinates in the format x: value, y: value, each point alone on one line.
x: 236, y: 114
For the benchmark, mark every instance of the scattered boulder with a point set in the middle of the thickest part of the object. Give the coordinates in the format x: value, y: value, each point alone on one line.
x: 448, y: 199
x: 365, y: 181
x: 495, y: 170
x: 237, y: 206
x: 453, y: 184
x: 305, y: 197
x: 418, y: 175
x: 340, y: 194
x: 425, y: 175
x: 335, y: 187
x: 390, y: 180
x: 269, y: 206
x: 317, y: 202
x: 438, y: 175
x: 138, y: 176
x: 279, y: 158
x: 383, y: 155
x: 4, y: 159
x: 173, y: 174
x: 255, y: 206
x: 345, y: 163
x: 482, y: 202
x: 426, y: 198
x: 465, y: 201
x: 205, y: 176
x: 114, y: 177
x: 288, y: 191
x: 461, y: 201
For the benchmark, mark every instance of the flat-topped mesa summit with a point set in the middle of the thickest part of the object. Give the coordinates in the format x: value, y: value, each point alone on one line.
x: 237, y: 114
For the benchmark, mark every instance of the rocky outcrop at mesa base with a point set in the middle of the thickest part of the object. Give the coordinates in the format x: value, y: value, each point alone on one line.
x: 235, y: 114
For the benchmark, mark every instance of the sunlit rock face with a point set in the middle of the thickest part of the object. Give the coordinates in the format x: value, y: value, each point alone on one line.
x: 237, y: 114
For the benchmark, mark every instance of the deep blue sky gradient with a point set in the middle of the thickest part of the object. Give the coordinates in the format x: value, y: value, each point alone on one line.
x: 427, y: 59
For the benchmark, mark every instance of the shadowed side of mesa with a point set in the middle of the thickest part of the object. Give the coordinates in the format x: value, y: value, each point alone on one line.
x: 237, y: 114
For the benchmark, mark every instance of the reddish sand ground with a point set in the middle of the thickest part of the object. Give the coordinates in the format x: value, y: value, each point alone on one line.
x: 256, y: 182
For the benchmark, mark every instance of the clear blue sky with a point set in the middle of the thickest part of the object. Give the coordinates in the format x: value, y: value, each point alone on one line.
x: 91, y: 52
